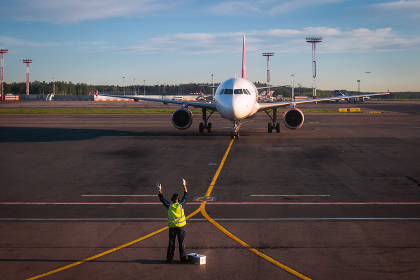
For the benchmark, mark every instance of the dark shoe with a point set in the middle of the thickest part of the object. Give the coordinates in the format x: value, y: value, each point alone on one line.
x: 168, y: 260
x: 184, y: 260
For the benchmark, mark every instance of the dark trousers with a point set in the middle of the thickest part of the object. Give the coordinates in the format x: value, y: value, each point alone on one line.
x: 173, y: 232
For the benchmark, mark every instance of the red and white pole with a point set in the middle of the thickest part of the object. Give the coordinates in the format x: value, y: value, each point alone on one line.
x: 1, y: 75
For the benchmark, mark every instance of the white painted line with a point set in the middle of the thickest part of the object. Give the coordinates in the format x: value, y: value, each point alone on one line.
x: 212, y: 203
x: 221, y: 219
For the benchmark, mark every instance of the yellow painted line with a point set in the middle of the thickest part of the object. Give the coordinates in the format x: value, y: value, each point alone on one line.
x: 144, y: 237
x: 110, y: 251
x: 219, y: 169
x: 203, y: 211
x: 255, y: 251
x: 292, y: 195
x: 99, y: 255
x: 117, y: 195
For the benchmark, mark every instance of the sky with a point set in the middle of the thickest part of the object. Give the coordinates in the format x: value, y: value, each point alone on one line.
x: 186, y: 41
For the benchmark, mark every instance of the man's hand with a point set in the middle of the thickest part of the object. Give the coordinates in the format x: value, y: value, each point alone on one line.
x: 185, y: 185
x: 159, y: 187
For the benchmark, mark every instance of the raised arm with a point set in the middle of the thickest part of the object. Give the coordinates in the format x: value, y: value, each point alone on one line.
x: 185, y: 185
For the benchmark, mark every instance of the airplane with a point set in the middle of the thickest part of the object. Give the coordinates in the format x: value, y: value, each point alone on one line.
x: 368, y: 72
x: 235, y: 100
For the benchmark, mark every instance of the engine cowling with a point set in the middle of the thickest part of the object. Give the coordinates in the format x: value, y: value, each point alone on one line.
x: 293, y: 118
x: 182, y: 118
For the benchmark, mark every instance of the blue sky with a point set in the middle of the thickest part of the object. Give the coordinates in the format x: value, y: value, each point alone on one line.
x: 182, y: 41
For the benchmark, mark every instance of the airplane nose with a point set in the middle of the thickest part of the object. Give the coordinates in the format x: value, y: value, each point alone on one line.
x: 240, y: 108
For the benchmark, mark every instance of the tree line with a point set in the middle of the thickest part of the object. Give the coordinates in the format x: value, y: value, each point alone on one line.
x: 69, y: 88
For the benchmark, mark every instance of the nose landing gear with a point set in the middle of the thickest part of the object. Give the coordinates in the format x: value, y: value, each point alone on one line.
x: 235, y: 130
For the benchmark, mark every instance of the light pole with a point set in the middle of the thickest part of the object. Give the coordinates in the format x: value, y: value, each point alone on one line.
x: 123, y: 86
x: 134, y: 85
x: 293, y: 87
x: 313, y: 41
x: 144, y: 87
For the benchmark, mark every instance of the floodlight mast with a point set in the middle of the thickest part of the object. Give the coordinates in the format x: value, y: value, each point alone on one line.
x: 27, y: 61
x: 268, y: 54
x: 1, y: 74
x: 313, y: 41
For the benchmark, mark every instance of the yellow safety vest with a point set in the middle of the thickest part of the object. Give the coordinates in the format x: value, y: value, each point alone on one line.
x: 176, y: 217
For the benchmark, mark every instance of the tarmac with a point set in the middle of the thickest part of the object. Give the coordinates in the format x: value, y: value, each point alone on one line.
x: 337, y: 199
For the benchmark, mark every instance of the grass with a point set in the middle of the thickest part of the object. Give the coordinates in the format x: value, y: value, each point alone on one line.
x: 389, y: 99
x: 91, y: 111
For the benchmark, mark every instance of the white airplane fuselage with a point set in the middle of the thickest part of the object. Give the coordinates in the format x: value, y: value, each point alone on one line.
x: 236, y: 99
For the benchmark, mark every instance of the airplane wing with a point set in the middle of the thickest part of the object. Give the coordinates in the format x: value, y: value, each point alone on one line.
x: 272, y: 105
x: 273, y: 87
x: 195, y: 104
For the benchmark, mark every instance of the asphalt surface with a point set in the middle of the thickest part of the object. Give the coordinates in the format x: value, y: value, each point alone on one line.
x: 337, y: 199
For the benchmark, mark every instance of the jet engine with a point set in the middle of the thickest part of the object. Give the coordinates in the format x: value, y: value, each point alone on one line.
x: 293, y: 118
x: 182, y: 118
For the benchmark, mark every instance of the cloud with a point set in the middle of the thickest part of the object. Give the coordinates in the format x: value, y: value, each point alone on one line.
x: 278, y: 40
x: 64, y: 11
x: 265, y: 7
x: 404, y: 8
x: 10, y: 41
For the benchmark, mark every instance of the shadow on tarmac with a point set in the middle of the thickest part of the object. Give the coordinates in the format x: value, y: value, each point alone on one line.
x: 92, y: 261
x: 42, y: 134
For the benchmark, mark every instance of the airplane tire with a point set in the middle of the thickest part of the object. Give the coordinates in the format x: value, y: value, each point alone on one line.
x: 209, y: 127
x: 278, y: 127
x: 270, y: 128
x: 201, y: 128
x: 232, y: 134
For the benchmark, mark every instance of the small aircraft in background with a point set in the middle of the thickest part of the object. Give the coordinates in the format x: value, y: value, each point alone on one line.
x: 237, y: 99
x: 368, y: 72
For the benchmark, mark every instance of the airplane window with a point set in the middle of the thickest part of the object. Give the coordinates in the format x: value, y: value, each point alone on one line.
x: 238, y: 91
x: 246, y: 91
x: 228, y: 91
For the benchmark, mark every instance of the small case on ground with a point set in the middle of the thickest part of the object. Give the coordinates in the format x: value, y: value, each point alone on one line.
x: 196, y: 258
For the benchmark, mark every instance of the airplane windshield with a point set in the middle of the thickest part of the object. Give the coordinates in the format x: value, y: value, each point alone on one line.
x: 238, y: 91
x: 228, y: 91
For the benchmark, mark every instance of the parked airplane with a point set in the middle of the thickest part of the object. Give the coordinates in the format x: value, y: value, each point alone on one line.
x: 235, y: 100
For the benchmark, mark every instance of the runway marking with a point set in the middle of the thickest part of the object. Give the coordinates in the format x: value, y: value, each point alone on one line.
x: 214, y: 203
x: 255, y: 251
x: 109, y: 251
x: 292, y: 195
x: 200, y: 209
x: 209, y: 190
x: 118, y: 195
x: 99, y: 255
x: 199, y: 219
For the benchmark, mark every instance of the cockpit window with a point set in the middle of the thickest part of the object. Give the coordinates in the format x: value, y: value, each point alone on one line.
x: 236, y: 91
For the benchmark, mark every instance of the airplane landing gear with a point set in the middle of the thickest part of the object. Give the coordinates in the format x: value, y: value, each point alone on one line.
x: 274, y: 124
x: 205, y: 125
x: 235, y: 130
